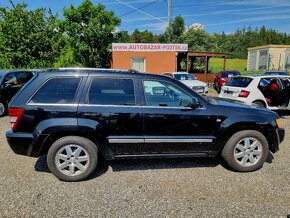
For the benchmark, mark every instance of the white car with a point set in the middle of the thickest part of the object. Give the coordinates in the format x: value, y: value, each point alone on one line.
x: 189, y: 80
x: 258, y: 90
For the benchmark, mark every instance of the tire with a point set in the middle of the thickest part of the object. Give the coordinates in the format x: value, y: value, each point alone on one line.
x: 260, y: 104
x: 3, y: 109
x: 218, y: 90
x: 246, y: 151
x: 63, y: 158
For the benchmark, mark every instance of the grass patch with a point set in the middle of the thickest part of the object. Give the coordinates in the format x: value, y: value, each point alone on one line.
x: 216, y: 65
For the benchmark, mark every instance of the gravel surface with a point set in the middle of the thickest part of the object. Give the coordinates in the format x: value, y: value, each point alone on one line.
x: 199, y: 187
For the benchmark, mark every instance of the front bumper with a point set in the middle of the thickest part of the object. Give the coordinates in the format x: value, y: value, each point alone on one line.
x: 19, y: 142
x: 276, y: 137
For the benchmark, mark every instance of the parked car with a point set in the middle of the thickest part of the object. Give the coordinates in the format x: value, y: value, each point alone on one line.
x: 76, y: 116
x: 272, y: 92
x: 281, y: 73
x: 189, y: 80
x: 223, y: 77
x: 10, y: 83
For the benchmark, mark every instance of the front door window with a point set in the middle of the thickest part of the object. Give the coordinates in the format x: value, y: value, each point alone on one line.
x: 161, y: 93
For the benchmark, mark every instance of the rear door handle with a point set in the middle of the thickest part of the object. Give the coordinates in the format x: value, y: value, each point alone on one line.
x: 92, y: 114
x: 156, y: 116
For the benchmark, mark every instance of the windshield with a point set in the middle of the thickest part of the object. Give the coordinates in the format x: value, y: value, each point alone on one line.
x: 185, y: 76
x: 239, y: 82
x: 230, y: 74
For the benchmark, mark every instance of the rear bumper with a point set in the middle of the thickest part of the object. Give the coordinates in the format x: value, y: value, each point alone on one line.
x: 26, y: 144
x: 19, y: 142
x: 276, y: 136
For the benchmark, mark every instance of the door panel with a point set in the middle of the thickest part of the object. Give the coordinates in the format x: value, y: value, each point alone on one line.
x: 171, y: 128
x: 113, y: 105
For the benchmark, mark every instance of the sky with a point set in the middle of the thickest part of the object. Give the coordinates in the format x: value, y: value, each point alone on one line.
x: 215, y: 15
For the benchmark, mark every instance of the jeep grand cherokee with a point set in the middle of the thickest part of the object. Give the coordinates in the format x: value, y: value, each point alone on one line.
x: 77, y: 115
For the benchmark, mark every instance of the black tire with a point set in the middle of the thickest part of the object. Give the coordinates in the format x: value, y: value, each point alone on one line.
x: 230, y: 149
x: 88, y: 150
x: 218, y: 90
x: 3, y: 109
x: 260, y: 104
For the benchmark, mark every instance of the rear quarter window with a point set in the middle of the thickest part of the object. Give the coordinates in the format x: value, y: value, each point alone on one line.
x: 239, y: 82
x: 57, y: 91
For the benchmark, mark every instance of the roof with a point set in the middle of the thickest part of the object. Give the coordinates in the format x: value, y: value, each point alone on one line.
x: 261, y: 76
x: 268, y: 46
x: 206, y: 54
x: 175, y: 73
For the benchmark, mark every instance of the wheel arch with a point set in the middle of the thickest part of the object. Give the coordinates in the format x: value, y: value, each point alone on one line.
x: 227, y: 133
x: 261, y: 101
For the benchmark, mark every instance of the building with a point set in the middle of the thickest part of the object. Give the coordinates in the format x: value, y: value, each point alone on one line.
x: 154, y: 58
x: 269, y: 57
x: 158, y: 58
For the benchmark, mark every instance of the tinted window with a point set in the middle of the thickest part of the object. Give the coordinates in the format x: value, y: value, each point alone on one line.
x: 286, y: 82
x: 57, y: 91
x: 11, y: 79
x: 230, y: 74
x: 184, y: 76
x: 24, y: 77
x: 109, y: 91
x: 160, y: 93
x: 239, y: 82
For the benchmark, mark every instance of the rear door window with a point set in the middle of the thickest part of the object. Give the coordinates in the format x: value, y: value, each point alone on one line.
x: 239, y: 82
x: 111, y: 91
x: 57, y: 91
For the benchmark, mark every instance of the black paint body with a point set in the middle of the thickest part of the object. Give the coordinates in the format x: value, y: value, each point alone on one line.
x: 132, y: 131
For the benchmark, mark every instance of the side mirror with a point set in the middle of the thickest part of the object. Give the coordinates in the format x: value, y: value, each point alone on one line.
x: 193, y: 103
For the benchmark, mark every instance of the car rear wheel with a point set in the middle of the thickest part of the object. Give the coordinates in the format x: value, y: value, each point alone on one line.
x: 246, y: 151
x: 259, y: 104
x: 2, y: 109
x: 72, y: 158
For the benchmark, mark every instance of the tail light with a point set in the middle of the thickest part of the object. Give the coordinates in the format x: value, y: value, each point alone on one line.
x: 244, y: 94
x: 15, y: 117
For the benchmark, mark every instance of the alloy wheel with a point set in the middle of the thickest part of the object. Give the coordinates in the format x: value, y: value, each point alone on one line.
x: 248, y: 152
x: 72, y: 160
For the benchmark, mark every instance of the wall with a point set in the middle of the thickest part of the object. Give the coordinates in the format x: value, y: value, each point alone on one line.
x: 156, y: 62
x: 275, y: 57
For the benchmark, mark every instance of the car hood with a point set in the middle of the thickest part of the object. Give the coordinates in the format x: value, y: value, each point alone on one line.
x: 230, y: 103
x: 191, y: 83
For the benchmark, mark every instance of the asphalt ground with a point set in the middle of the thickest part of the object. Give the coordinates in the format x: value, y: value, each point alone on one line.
x: 193, y: 187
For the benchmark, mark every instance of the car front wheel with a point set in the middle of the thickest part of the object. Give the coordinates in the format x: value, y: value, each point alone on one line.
x: 72, y: 158
x: 246, y: 151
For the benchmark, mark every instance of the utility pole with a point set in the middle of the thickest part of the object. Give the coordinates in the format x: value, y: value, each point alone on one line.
x: 169, y: 12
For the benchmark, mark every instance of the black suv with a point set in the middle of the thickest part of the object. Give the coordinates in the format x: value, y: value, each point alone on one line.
x: 10, y: 83
x: 77, y: 115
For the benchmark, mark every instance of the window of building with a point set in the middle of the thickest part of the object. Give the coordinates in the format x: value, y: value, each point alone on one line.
x: 110, y: 91
x: 160, y: 93
x: 57, y: 91
x: 138, y: 64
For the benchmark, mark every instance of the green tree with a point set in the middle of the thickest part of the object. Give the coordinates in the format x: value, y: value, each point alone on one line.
x: 89, y: 29
x: 142, y: 36
x: 199, y: 40
x: 122, y: 36
x: 174, y: 30
x: 29, y: 38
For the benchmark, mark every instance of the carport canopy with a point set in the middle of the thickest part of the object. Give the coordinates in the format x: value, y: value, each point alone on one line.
x: 191, y: 56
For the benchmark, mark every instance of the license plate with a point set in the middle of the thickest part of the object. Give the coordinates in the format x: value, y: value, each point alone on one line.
x: 228, y: 92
